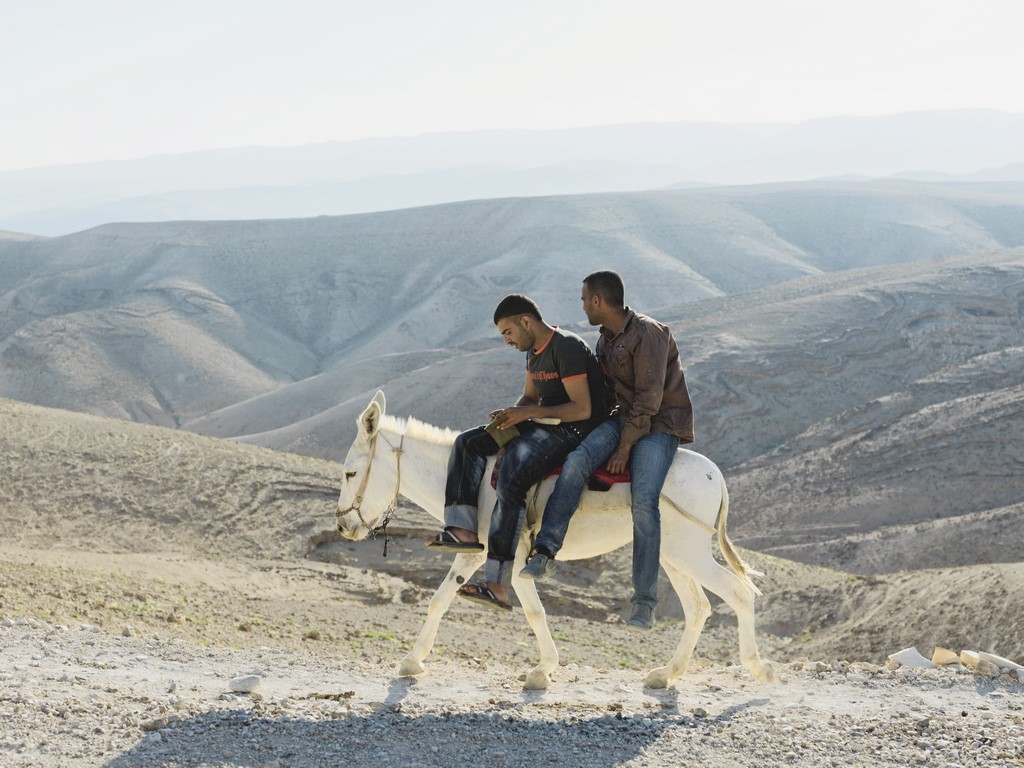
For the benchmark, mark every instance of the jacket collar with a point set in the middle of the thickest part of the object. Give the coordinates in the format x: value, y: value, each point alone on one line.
x: 630, y: 314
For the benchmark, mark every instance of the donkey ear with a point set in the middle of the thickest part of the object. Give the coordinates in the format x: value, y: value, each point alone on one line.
x: 369, y: 421
x: 379, y: 400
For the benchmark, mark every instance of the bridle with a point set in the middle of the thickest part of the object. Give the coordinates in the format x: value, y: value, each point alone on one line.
x: 357, y: 502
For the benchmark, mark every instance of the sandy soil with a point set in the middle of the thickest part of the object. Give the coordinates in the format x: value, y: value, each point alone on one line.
x: 127, y: 660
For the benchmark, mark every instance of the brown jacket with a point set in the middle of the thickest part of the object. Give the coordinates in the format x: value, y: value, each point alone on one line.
x: 642, y: 363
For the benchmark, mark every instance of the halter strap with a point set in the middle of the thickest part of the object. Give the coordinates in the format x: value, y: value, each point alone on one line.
x: 357, y: 502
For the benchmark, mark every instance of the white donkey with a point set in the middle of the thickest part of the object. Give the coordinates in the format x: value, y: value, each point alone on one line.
x: 392, y: 456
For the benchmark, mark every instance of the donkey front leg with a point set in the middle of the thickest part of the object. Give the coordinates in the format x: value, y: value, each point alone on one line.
x: 526, y: 589
x: 462, y: 568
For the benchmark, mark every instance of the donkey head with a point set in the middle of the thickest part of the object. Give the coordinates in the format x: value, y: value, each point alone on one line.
x: 353, y: 523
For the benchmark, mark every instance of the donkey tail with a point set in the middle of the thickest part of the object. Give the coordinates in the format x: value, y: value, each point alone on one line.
x: 732, y: 557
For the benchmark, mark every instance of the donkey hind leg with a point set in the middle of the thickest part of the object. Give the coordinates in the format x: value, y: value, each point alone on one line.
x: 740, y: 598
x: 463, y: 567
x: 696, y: 610
x: 691, y: 554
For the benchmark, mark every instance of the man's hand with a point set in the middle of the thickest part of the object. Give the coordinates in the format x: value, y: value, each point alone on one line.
x: 619, y: 460
x: 509, y: 417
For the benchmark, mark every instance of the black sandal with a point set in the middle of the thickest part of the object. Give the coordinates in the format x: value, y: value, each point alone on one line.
x: 446, y: 541
x: 482, y: 594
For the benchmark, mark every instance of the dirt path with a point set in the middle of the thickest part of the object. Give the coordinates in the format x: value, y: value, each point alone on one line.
x: 80, y: 696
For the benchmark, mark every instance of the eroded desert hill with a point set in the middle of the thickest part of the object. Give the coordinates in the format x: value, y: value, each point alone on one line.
x: 859, y: 411
x: 110, y: 522
x: 167, y: 323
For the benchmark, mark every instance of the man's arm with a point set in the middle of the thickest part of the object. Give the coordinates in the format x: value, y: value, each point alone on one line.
x: 650, y: 360
x: 577, y: 409
x: 530, y: 396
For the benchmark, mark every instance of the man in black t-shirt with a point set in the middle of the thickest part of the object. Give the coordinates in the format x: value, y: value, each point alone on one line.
x: 564, y: 387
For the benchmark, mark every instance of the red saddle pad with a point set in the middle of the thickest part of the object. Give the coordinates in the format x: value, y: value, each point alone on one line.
x: 601, y: 480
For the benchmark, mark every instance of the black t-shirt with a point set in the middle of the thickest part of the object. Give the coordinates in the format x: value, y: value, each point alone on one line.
x: 564, y: 357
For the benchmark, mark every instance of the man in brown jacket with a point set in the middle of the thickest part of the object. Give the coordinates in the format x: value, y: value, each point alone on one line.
x: 641, y: 360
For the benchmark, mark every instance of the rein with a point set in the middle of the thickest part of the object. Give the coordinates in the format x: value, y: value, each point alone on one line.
x: 357, y: 502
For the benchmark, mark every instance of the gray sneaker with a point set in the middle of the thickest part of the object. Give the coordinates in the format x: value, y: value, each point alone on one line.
x: 642, y: 617
x: 537, y: 567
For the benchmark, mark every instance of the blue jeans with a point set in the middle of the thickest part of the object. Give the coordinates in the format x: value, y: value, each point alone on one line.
x: 579, y: 465
x: 528, y: 459
x: 649, y: 462
x: 466, y: 466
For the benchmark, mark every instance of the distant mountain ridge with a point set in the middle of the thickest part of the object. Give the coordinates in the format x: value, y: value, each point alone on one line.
x: 5, y: 235
x: 389, y: 173
x: 1013, y: 172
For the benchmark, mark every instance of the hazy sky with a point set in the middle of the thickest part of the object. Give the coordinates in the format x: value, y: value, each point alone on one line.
x: 108, y: 79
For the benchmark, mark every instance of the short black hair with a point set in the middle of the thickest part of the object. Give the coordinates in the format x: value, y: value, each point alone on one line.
x: 514, y: 305
x: 608, y: 285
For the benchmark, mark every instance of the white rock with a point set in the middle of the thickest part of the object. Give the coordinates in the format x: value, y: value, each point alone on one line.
x: 910, y: 657
x: 999, y: 661
x: 1020, y: 675
x: 245, y: 684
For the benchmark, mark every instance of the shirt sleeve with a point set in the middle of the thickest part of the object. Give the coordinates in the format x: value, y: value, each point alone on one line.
x: 650, y: 360
x: 572, y: 359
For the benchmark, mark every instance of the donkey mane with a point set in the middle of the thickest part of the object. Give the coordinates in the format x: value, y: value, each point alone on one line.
x: 419, y: 430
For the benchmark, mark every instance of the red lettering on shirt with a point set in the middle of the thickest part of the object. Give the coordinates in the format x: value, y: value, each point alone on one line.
x: 543, y: 375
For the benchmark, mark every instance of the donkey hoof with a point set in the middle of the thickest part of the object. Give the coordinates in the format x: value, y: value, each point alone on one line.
x: 537, y: 680
x: 410, y: 667
x: 657, y: 678
x: 764, y: 672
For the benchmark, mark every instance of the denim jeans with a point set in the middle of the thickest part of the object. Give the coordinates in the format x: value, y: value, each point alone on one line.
x: 466, y: 466
x: 649, y: 462
x: 528, y: 459
x: 579, y: 465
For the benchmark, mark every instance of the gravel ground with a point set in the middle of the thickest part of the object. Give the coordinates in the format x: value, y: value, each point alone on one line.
x: 80, y: 696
